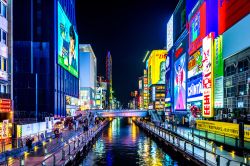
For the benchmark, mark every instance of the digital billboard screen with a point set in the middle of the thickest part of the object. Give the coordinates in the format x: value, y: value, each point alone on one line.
x: 180, y: 83
x: 195, y: 63
x: 168, y: 79
x: 157, y: 67
x: 67, y: 43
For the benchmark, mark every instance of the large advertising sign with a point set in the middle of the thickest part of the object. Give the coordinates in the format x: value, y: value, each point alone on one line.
x: 180, y: 83
x: 194, y: 89
x: 5, y: 105
x: 197, y: 29
x: 207, y: 74
x: 157, y: 67
x: 223, y: 128
x: 67, y: 43
x: 168, y: 79
x: 195, y: 63
x: 218, y: 74
x: 170, y: 33
x: 230, y: 12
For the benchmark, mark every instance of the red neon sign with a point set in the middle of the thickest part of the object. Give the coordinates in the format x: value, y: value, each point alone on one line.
x: 230, y: 12
x: 197, y: 43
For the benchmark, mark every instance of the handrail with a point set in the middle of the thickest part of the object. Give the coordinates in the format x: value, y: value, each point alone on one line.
x: 176, y: 138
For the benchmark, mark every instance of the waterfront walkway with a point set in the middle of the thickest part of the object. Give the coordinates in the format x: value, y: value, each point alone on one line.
x: 200, y: 149
x: 57, y: 151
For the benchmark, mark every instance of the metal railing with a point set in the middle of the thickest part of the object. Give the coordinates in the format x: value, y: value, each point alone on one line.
x: 204, y: 151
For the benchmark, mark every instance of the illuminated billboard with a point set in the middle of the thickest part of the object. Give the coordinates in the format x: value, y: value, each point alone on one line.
x: 218, y: 74
x: 195, y: 63
x: 170, y: 33
x: 180, y: 83
x: 67, y: 43
x: 207, y: 74
x: 168, y: 79
x: 157, y: 67
x: 197, y: 29
x: 194, y: 89
x: 230, y: 12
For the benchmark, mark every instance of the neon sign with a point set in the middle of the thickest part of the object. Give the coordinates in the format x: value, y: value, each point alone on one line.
x: 207, y: 74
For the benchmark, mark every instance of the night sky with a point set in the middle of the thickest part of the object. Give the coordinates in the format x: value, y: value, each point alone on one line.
x: 128, y: 28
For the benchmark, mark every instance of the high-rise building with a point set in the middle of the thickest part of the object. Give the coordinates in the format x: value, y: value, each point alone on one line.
x: 109, y: 80
x: 88, y: 77
x: 45, y: 58
x: 6, y: 112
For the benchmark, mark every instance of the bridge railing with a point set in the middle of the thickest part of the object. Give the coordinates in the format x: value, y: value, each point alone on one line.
x: 206, y: 155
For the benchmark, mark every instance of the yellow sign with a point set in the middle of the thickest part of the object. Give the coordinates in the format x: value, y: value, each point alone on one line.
x: 156, y: 67
x: 223, y: 128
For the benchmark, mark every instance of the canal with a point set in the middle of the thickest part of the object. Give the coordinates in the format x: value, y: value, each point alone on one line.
x: 123, y: 143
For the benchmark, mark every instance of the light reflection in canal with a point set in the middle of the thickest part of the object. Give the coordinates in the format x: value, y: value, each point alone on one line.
x: 124, y: 144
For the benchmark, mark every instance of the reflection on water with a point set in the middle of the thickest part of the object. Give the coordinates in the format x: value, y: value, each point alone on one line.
x: 124, y: 144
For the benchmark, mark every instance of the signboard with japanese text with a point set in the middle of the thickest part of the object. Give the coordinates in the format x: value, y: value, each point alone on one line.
x: 207, y: 74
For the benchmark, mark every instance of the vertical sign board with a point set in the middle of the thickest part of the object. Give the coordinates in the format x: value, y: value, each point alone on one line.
x: 218, y: 74
x: 5, y: 129
x: 170, y: 33
x: 207, y: 46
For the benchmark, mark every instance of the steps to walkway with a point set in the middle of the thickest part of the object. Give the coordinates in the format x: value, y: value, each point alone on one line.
x: 197, y: 150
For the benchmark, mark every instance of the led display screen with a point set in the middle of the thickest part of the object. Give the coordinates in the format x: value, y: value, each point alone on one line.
x: 180, y: 83
x: 197, y: 29
x: 195, y: 63
x: 168, y: 79
x: 67, y: 43
x: 157, y: 67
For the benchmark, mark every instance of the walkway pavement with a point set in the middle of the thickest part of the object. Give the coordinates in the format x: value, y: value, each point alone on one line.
x: 54, y: 146
x: 197, y: 151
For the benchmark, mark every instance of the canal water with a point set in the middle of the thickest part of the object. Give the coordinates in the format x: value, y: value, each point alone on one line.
x: 123, y: 143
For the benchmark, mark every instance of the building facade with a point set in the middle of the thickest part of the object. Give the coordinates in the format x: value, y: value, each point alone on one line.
x: 45, y: 58
x: 88, y: 77
x: 6, y: 109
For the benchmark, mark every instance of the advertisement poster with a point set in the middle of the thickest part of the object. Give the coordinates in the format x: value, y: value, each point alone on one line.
x: 170, y: 33
x: 5, y: 129
x: 194, y: 89
x: 180, y: 83
x: 218, y: 74
x: 208, y: 76
x: 195, y: 111
x: 157, y: 67
x: 67, y: 43
x: 195, y: 63
x: 168, y: 79
x: 197, y: 29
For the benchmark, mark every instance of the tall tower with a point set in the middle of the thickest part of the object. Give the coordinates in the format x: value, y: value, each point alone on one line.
x: 109, y: 80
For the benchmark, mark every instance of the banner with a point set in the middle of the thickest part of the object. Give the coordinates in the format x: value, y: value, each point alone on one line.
x: 223, y: 128
x: 5, y: 129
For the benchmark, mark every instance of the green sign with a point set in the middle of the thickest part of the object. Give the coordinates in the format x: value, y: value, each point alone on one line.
x: 218, y: 60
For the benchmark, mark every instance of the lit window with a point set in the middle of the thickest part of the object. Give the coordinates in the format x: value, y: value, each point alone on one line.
x: 4, y: 37
x: 3, y: 10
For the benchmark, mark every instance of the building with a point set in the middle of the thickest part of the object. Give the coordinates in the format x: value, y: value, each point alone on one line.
x: 6, y: 111
x: 233, y: 51
x: 101, y: 91
x: 156, y: 79
x: 141, y: 92
x: 45, y: 59
x: 88, y: 77
x: 110, y: 92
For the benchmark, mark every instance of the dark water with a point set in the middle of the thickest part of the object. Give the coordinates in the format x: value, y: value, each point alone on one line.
x: 122, y: 143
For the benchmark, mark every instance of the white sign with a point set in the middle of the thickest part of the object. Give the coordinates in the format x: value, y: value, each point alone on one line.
x: 170, y: 34
x: 218, y: 93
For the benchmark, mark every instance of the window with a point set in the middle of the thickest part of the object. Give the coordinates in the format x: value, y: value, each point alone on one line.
x: 230, y: 70
x: 243, y: 65
x: 4, y: 37
x: 231, y: 91
x: 3, y: 10
x: 5, y: 65
x: 242, y: 90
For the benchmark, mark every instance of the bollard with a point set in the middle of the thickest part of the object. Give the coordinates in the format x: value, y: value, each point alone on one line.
x: 21, y: 161
x: 54, y: 159
x: 218, y: 160
x: 63, y: 154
